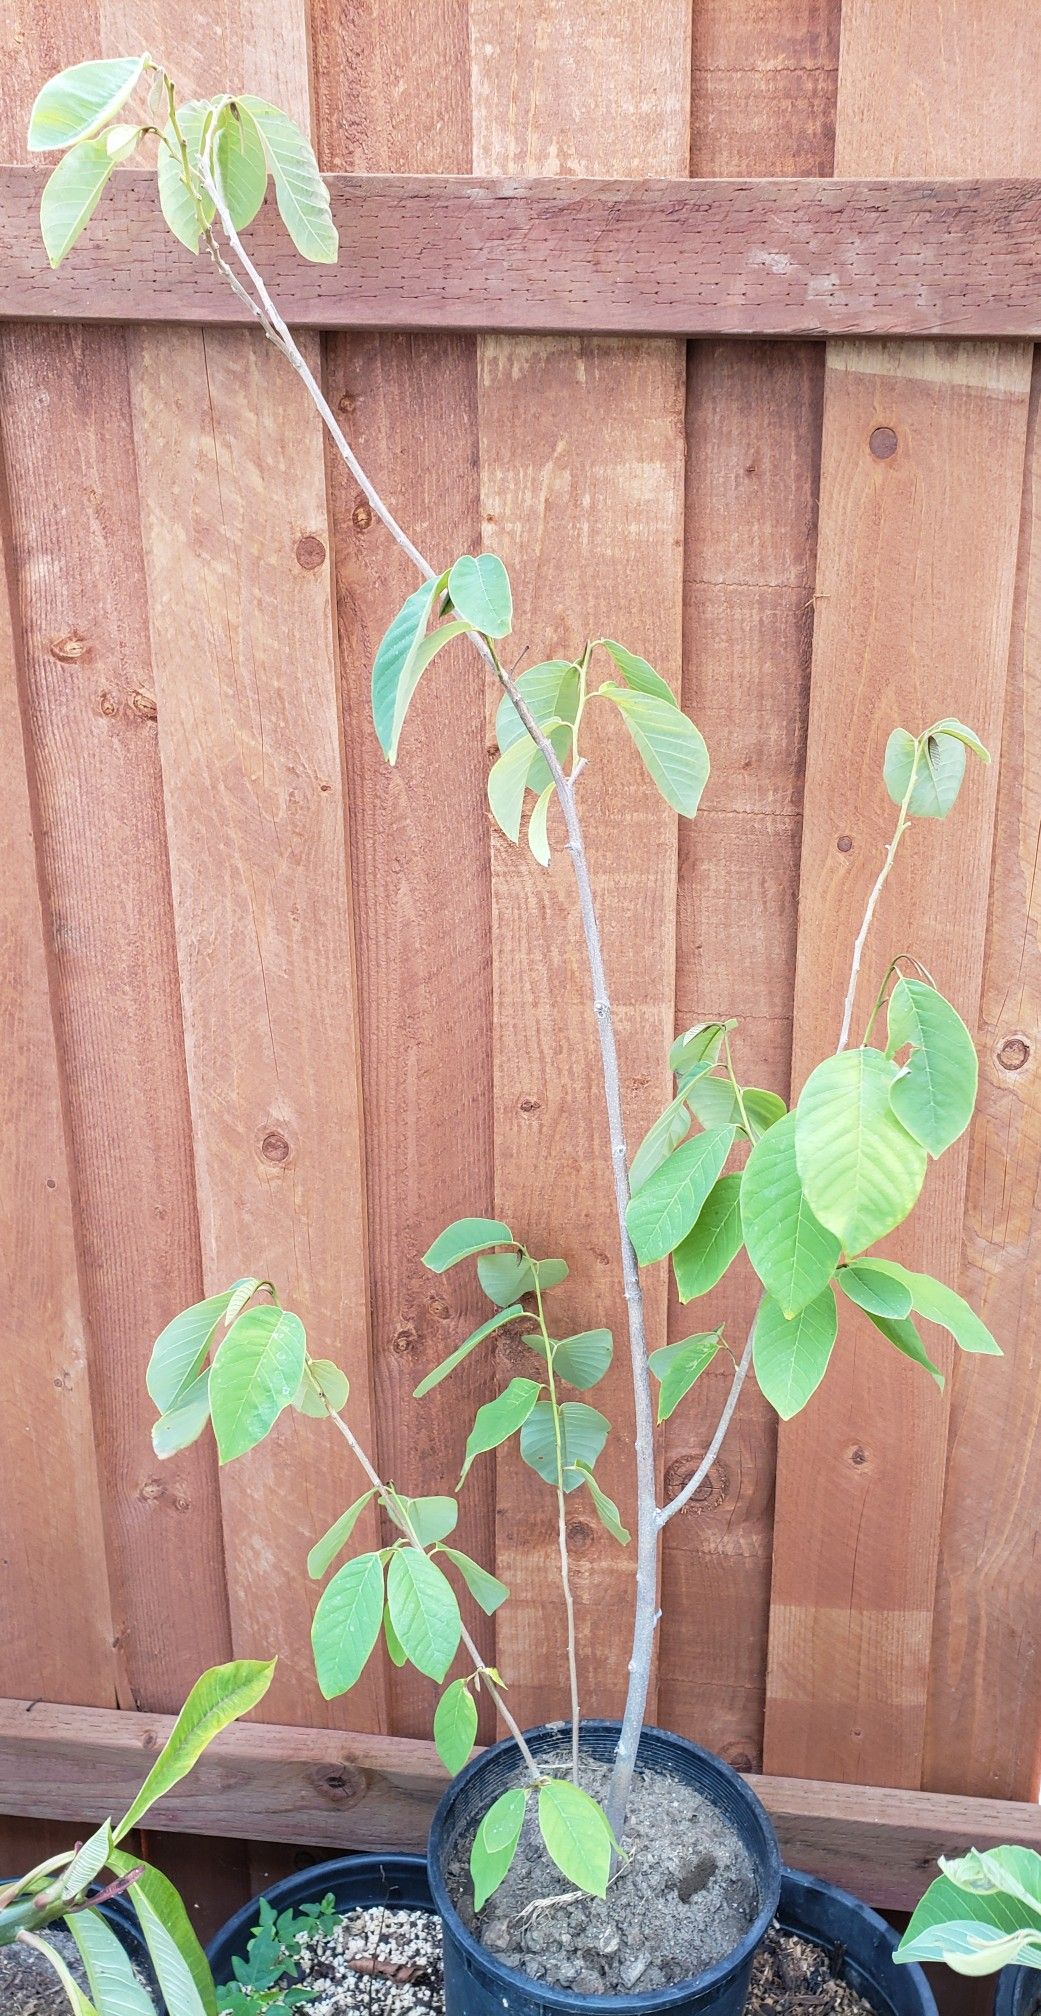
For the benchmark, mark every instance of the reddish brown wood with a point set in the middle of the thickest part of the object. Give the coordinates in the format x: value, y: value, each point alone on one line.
x: 726, y: 257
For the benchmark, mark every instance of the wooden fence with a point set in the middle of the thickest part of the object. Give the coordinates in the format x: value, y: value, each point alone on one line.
x: 268, y: 1004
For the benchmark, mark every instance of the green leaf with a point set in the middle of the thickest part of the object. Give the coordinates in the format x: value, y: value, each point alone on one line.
x: 179, y: 201
x: 962, y: 734
x: 76, y: 103
x: 935, y: 1092
x: 303, y: 199
x: 469, y: 1344
x: 583, y: 1432
x: 515, y: 773
x: 677, y: 1366
x: 180, y: 1350
x: 941, y: 768
x: 430, y: 1518
x: 791, y: 1354
x: 577, y: 1835
x: 185, y: 1422
x: 111, y: 1978
x: 943, y: 1305
x: 538, y: 826
x: 698, y: 1045
x: 466, y: 1236
x: 495, y: 1843
x: 72, y: 195
x: 399, y: 663
x: 871, y: 1285
x: 88, y: 1861
x: 901, y: 1332
x: 479, y: 591
x: 77, y: 2000
x: 322, y: 1387
x: 395, y: 1650
x: 486, y: 1589
x: 607, y: 1510
x: 347, y: 1623
x: 673, y: 750
x: 860, y: 1168
x: 1014, y: 1873
x: 638, y: 674
x: 424, y: 1612
x: 455, y: 1726
x: 219, y: 1696
x: 663, y: 1210
x: 505, y: 1277
x: 236, y: 155
x: 255, y: 1374
x: 325, y: 1550
x: 976, y: 1931
x: 180, y: 1964
x: 240, y: 163
x: 665, y: 1134
x: 713, y: 1242
x: 549, y: 691
x: 498, y: 1419
x: 717, y: 1105
x: 584, y: 1358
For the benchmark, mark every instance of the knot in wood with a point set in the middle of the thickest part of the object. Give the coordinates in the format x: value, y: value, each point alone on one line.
x: 274, y: 1147
x: 69, y: 649
x: 844, y: 843
x: 361, y: 516
x: 1014, y: 1053
x: 712, y: 1492
x: 883, y: 443
x: 310, y: 552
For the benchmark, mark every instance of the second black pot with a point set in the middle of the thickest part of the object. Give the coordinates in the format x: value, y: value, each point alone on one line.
x: 356, y: 1881
x: 861, y: 1942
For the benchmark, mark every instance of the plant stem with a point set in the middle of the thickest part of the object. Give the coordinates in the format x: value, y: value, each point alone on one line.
x: 381, y: 1489
x: 565, y: 1566
x: 738, y: 1094
x: 684, y: 1497
x: 872, y: 902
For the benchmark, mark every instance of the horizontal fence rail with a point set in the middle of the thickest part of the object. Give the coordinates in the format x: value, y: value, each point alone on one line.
x: 789, y: 257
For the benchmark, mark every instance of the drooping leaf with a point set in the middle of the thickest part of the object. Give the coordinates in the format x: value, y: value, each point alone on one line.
x: 424, y: 1611
x: 495, y: 1843
x: 111, y: 1977
x: 505, y: 1277
x: 949, y: 726
x: 76, y: 103
x: 498, y: 1419
x: 396, y: 1652
x: 677, y: 1366
x: 607, y: 1510
x: 72, y: 194
x: 903, y: 1333
x: 698, y: 1045
x: 180, y: 1350
x: 74, y: 1995
x: 872, y: 1286
x: 464, y: 1237
x: 430, y: 1518
x: 638, y: 674
x: 347, y: 1623
x: 577, y: 1835
x: 943, y: 1305
x: 185, y: 1422
x: 664, y: 1134
x: 522, y: 769
x: 583, y: 1432
x: 218, y: 1698
x: 479, y: 591
x: 303, y: 199
x: 486, y: 1589
x: 662, y: 1212
x: 324, y: 1386
x: 463, y: 1350
x: 256, y: 1372
x: 790, y: 1354
x: 673, y: 750
x: 325, y: 1550
x: 398, y: 664
x: 549, y: 691
x: 455, y: 1726
x: 538, y: 826
x: 936, y: 1091
x: 941, y: 768
x: 859, y: 1167
x: 713, y: 1242
x: 180, y: 1964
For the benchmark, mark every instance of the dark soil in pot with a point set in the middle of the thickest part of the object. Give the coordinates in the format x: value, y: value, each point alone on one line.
x: 29, y: 1985
x: 682, y: 1901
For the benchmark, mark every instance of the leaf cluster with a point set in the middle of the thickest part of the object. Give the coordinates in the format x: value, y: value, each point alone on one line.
x: 983, y: 1912
x: 267, y: 1981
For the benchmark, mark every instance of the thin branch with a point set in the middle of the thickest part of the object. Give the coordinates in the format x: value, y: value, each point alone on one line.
x: 565, y: 1565
x: 684, y: 1497
x: 872, y: 902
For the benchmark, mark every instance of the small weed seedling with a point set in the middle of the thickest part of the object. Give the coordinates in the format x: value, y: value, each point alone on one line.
x: 267, y: 1982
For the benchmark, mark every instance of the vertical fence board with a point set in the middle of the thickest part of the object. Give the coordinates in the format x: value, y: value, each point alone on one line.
x: 763, y: 103
x: 914, y: 589
x: 418, y: 845
x: 581, y: 492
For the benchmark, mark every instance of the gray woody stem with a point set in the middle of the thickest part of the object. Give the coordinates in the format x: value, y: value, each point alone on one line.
x: 648, y: 1518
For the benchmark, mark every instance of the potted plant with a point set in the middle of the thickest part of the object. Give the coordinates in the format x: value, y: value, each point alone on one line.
x: 821, y: 1185
x: 62, y: 1918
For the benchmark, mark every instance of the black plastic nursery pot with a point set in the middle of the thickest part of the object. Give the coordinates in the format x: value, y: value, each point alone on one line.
x: 356, y: 1881
x: 1018, y: 1991
x: 842, y: 1925
x: 478, y: 1984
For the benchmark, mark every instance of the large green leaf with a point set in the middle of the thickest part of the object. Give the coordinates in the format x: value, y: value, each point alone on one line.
x: 943, y: 1305
x: 495, y: 1842
x: 424, y: 1611
x: 303, y: 199
x: 982, y: 1913
x: 577, y: 1836
x: 673, y: 750
x: 479, y: 591
x: 76, y: 103
x: 791, y: 1354
x: 498, y: 1419
x: 662, y: 1212
x: 238, y: 158
x: 936, y: 1091
x: 430, y: 1518
x: 941, y: 767
x: 399, y: 661
x: 218, y: 1697
x: 324, y: 1389
x: 713, y: 1242
x: 583, y: 1432
x: 505, y: 1277
x: 463, y: 1350
x: 581, y: 1360
x: 902, y: 1333
x: 874, y: 1287
x: 347, y: 1623
x: 455, y: 1726
x: 237, y: 152
x: 255, y: 1374
x: 486, y: 1589
x: 72, y: 195
x: 325, y: 1550
x: 113, y: 1983
x: 860, y: 1168
x: 180, y: 1964
x: 180, y: 1350
x: 549, y: 691
x: 792, y: 1252
x: 185, y: 1421
x: 522, y: 769
x: 638, y: 674
x: 464, y: 1237
x: 676, y: 1366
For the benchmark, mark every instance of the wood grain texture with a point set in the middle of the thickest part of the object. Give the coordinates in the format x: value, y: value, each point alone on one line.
x: 418, y: 838
x: 914, y: 595
x: 983, y: 1732
x: 331, y: 1793
x: 587, y: 513
x: 798, y: 257
x: 763, y: 101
